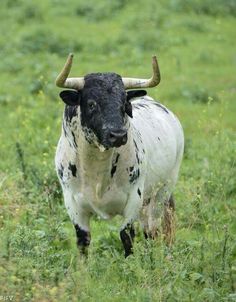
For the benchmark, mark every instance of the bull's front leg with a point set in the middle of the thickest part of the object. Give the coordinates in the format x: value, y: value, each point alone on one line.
x: 131, y: 212
x: 81, y: 224
x: 83, y: 239
x: 80, y: 219
x: 127, y: 236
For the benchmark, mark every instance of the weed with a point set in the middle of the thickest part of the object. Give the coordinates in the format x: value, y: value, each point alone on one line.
x: 208, y: 7
x: 199, y: 95
x: 41, y: 40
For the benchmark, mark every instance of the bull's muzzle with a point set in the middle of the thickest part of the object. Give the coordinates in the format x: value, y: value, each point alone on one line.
x: 117, y: 138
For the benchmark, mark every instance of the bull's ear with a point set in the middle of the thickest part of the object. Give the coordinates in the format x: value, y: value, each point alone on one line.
x: 70, y: 97
x: 128, y: 108
x: 135, y: 94
x: 130, y: 95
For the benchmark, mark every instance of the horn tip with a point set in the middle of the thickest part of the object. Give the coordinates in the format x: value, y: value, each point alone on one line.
x: 154, y: 58
x: 71, y: 54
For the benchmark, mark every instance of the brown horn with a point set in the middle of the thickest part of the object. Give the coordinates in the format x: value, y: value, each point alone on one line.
x: 62, y: 79
x: 131, y: 83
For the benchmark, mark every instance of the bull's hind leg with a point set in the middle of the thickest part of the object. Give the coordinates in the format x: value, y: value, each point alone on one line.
x: 158, y: 216
x: 169, y: 221
x: 151, y: 218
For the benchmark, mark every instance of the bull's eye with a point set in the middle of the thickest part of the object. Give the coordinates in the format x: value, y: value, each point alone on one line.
x: 92, y: 105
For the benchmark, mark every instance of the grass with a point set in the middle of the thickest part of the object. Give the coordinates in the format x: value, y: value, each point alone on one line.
x: 195, y: 44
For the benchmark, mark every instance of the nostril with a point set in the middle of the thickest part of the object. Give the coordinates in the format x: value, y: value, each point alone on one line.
x: 118, y: 137
x: 118, y: 134
x: 113, y: 137
x: 124, y: 138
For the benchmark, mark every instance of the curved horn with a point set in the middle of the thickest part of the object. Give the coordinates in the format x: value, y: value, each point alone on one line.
x: 130, y: 83
x: 62, y: 79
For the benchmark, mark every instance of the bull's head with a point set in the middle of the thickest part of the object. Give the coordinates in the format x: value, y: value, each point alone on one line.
x: 104, y: 103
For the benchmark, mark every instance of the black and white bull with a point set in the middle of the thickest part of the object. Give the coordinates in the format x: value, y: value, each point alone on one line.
x: 117, y: 158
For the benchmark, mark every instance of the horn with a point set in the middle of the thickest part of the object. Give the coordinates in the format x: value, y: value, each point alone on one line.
x: 130, y: 83
x: 62, y: 79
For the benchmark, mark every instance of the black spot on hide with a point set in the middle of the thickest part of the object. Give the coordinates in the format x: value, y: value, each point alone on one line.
x: 70, y: 112
x: 117, y: 158
x: 136, y: 151
x: 134, y: 176
x: 136, y: 147
x: 161, y: 106
x: 114, y: 165
x: 74, y: 141
x: 113, y: 170
x: 64, y: 129
x: 73, y: 169
x: 137, y: 157
x: 138, y: 106
x: 139, y: 192
x: 60, y: 172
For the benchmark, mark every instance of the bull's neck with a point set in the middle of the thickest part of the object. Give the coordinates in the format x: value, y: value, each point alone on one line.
x: 93, y: 161
x: 95, y: 167
x: 95, y: 164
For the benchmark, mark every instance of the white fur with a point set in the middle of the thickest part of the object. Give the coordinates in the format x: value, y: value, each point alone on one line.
x: 94, y: 191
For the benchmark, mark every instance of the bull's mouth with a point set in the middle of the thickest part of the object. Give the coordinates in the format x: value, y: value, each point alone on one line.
x: 112, y: 139
x: 103, y: 146
x: 115, y: 138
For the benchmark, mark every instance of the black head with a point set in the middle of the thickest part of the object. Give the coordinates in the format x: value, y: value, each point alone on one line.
x: 104, y: 107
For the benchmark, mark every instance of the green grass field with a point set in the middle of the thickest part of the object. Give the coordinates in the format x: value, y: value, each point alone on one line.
x: 196, y: 47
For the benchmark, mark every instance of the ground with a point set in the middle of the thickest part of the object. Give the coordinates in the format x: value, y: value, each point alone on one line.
x: 195, y: 44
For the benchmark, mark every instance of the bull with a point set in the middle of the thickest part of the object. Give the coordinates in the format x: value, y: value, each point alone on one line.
x: 119, y: 154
